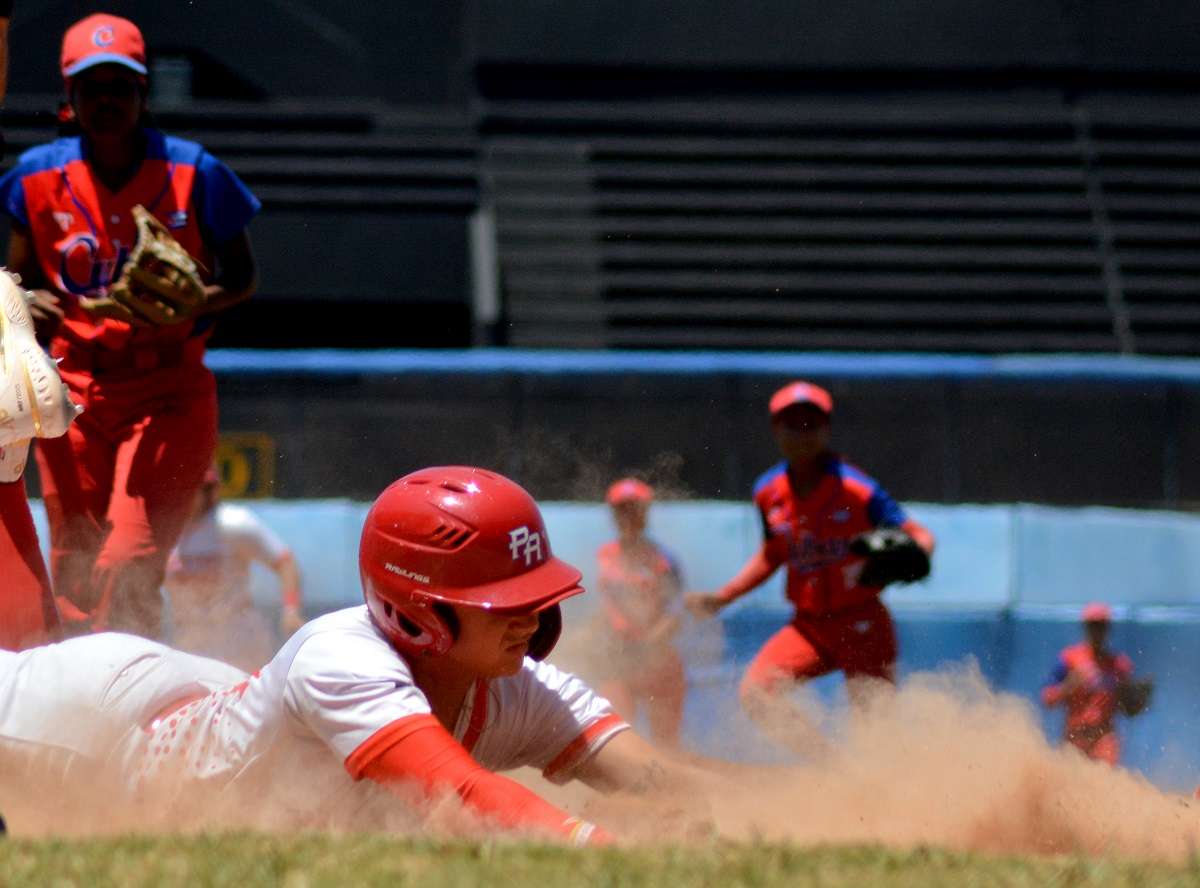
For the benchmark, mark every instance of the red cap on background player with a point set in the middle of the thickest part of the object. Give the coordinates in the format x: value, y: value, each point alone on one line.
x: 102, y: 39
x: 1097, y: 612
x: 629, y: 490
x: 800, y: 392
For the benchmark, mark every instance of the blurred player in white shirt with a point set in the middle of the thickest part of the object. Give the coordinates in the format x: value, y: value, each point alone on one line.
x: 208, y: 581
x: 435, y: 683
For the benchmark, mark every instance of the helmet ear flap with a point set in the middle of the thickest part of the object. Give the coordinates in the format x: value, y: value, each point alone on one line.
x: 412, y: 629
x: 545, y: 637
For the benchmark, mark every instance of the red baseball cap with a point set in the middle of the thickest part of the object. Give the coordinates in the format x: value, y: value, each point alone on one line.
x: 629, y: 490
x: 800, y: 392
x: 102, y: 39
x: 1097, y: 612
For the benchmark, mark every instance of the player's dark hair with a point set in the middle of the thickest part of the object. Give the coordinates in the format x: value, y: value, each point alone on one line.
x: 449, y: 617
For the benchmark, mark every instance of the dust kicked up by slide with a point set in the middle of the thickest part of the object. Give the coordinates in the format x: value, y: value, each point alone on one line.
x: 941, y: 761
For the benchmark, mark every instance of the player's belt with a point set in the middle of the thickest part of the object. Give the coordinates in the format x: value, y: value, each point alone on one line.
x: 101, y: 361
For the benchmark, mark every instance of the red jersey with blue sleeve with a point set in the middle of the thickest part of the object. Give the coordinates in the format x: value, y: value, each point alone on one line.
x: 83, y: 233
x: 1092, y: 705
x: 812, y: 534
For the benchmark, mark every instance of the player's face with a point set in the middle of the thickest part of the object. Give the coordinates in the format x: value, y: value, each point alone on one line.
x: 801, y: 432
x: 1097, y: 633
x: 630, y: 519
x: 108, y: 100
x: 489, y: 644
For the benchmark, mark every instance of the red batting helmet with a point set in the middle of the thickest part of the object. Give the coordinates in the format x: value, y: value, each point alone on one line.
x: 460, y: 536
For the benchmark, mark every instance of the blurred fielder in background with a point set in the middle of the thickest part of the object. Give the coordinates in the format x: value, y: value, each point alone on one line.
x: 1094, y: 683
x: 843, y: 539
x: 208, y: 582
x: 640, y: 590
x: 119, y: 485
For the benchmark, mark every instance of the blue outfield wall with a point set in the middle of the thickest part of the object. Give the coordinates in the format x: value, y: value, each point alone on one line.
x: 1006, y: 589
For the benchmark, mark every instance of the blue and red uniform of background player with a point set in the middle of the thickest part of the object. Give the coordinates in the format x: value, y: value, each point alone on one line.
x: 813, y: 505
x: 118, y: 487
x: 1085, y: 680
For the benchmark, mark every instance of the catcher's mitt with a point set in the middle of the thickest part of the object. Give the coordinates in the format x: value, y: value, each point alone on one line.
x: 1133, y: 696
x: 159, y: 284
x: 892, y: 557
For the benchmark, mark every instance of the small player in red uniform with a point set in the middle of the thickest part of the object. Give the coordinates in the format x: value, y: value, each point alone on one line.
x: 816, y: 508
x: 640, y: 590
x: 1087, y: 680
x: 119, y: 485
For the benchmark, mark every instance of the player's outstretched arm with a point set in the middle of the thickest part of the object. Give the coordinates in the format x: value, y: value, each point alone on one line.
x: 425, y: 754
x: 754, y: 572
x: 288, y: 572
x: 1063, y: 682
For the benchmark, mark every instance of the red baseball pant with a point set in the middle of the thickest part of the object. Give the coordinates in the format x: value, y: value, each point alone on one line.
x: 27, y: 613
x: 860, y: 641
x: 119, y: 488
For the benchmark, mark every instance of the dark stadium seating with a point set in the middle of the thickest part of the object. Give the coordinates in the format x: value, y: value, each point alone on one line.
x: 962, y: 222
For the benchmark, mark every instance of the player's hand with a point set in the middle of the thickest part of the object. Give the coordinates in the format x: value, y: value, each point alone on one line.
x: 290, y: 621
x: 703, y: 605
x: 46, y: 310
x: 107, y: 307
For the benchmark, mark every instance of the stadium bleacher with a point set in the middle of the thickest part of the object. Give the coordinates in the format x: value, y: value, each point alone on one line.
x: 964, y: 223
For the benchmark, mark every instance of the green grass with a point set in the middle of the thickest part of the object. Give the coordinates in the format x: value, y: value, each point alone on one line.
x: 319, y: 860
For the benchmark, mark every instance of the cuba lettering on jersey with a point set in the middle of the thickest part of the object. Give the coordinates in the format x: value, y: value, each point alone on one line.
x: 812, y: 535
x: 82, y: 232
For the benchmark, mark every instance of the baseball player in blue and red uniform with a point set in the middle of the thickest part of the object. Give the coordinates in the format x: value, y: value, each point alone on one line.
x: 118, y: 487
x: 1086, y: 680
x: 816, y: 508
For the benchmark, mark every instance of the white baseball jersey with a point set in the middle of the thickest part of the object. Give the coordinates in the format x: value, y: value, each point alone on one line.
x: 216, y: 550
x: 89, y: 706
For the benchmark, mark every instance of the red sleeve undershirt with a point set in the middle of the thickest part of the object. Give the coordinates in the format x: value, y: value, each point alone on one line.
x: 418, y: 750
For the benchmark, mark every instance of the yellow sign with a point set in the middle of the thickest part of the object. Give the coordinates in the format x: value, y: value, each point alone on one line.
x: 246, y: 463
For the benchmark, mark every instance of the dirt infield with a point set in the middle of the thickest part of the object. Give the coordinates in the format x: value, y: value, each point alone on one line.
x: 942, y: 761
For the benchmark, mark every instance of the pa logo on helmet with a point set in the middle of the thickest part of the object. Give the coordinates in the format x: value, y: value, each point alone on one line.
x: 526, y: 543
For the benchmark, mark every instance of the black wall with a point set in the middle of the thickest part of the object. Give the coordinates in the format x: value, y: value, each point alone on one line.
x: 566, y: 435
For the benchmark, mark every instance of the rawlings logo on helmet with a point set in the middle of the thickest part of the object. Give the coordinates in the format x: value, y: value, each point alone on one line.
x: 400, y: 571
x: 524, y: 542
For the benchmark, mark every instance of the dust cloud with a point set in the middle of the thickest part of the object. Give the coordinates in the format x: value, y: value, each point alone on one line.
x: 943, y: 760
